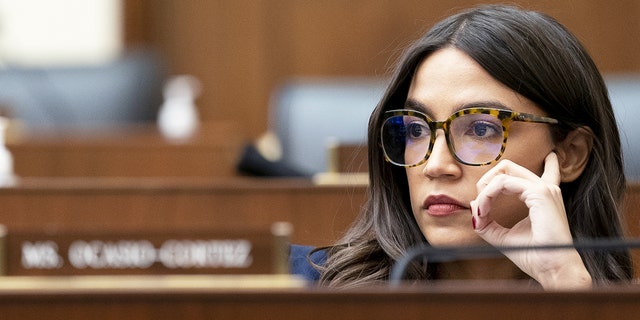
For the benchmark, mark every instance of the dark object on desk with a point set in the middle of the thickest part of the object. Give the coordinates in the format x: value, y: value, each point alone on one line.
x: 252, y: 162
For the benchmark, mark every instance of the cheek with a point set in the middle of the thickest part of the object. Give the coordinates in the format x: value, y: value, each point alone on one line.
x: 532, y: 161
x: 530, y: 150
x: 414, y: 181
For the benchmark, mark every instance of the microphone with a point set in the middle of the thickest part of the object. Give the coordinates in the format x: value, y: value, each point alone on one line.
x: 451, y: 253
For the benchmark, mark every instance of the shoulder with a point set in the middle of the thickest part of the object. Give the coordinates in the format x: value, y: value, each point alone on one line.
x: 300, y: 258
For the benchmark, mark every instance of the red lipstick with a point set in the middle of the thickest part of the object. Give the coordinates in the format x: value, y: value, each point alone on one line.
x: 441, y: 205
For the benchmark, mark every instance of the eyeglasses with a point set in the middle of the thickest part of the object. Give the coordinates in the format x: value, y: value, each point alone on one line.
x: 475, y: 136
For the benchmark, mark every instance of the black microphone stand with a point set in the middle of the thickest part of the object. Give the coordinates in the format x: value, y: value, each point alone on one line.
x: 452, y: 253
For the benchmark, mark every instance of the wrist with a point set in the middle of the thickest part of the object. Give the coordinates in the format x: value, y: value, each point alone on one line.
x: 569, y: 277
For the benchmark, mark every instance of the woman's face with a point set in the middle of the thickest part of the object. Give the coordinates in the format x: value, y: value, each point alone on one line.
x: 441, y: 189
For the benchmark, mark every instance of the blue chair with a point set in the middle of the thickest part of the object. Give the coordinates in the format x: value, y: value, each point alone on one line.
x: 127, y: 90
x: 624, y: 92
x: 309, y: 114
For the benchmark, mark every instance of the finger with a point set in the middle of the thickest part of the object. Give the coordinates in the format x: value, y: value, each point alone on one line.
x: 551, y: 172
x: 504, y: 167
x: 543, y: 200
x: 502, y: 184
x: 530, y: 193
x: 493, y: 233
x: 480, y: 221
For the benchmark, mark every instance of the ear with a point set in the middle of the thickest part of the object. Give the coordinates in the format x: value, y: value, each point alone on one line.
x: 573, y: 153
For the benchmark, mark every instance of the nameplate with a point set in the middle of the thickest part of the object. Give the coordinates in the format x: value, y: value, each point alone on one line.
x: 203, y: 252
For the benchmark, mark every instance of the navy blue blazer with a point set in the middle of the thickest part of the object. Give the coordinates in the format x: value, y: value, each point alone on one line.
x: 299, y: 261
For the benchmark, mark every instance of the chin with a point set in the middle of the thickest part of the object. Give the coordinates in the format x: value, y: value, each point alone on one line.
x: 455, y: 239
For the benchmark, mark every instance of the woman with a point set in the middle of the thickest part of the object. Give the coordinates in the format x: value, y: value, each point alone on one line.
x: 442, y: 172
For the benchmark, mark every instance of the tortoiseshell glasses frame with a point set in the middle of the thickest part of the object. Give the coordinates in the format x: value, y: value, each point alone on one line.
x: 474, y: 136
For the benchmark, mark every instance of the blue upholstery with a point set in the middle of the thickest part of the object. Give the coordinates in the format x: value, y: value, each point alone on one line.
x: 127, y: 90
x: 624, y: 91
x: 307, y: 114
x: 299, y: 262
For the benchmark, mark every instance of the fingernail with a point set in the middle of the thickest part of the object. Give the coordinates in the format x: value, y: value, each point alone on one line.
x: 473, y: 222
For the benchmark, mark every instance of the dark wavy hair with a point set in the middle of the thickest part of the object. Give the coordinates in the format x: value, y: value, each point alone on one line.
x: 537, y: 57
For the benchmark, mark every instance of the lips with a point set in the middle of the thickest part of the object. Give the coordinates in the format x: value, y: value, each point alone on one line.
x: 442, y: 205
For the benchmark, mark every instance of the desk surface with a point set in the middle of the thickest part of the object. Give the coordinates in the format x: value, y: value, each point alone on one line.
x: 160, y: 298
x: 318, y: 213
x: 127, y: 151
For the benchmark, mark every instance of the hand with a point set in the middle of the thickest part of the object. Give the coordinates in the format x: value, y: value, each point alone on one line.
x: 546, y: 223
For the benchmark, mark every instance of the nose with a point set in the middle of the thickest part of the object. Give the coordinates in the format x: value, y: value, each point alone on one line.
x: 441, y: 162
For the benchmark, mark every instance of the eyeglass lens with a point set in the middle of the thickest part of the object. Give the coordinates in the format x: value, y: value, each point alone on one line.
x: 474, y: 138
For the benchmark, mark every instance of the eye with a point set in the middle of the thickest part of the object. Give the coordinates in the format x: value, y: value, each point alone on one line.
x: 416, y: 130
x: 483, y: 130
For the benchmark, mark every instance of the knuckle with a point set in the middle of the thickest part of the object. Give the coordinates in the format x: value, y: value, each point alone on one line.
x: 554, y: 190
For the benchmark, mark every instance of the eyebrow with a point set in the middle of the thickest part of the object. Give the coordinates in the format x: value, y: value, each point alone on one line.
x: 415, y: 105
x: 419, y: 106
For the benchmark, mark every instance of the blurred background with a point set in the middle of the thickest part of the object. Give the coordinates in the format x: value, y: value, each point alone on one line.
x: 138, y: 115
x: 243, y: 50
x: 94, y: 64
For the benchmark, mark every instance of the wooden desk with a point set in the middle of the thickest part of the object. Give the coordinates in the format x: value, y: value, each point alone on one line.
x: 319, y: 214
x: 127, y: 151
x: 145, y: 298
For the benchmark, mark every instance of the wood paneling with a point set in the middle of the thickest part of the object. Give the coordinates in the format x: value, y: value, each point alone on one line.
x: 319, y: 214
x: 242, y: 50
